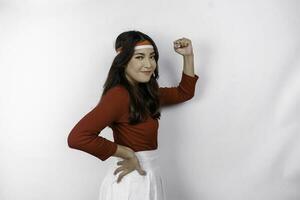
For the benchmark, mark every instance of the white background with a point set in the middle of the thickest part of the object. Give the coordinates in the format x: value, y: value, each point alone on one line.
x: 237, y: 139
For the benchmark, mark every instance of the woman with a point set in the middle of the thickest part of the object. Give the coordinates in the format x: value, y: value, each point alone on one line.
x: 130, y: 105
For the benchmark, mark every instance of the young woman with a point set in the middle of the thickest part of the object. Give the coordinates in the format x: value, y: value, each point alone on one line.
x: 130, y: 105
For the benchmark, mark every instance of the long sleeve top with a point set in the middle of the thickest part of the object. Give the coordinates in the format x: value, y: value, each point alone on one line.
x: 113, y: 111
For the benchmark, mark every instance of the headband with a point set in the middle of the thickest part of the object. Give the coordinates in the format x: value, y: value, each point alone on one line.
x: 140, y: 45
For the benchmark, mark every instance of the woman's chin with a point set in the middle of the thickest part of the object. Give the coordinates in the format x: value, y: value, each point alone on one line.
x: 144, y: 80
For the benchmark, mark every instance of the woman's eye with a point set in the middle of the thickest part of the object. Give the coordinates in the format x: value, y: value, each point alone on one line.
x: 140, y: 57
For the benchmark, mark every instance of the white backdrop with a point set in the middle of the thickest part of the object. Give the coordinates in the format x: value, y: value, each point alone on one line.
x: 237, y: 139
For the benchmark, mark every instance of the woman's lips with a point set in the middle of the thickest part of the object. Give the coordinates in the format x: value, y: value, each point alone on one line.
x: 147, y: 72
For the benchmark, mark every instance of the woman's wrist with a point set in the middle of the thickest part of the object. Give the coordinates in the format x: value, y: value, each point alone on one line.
x: 124, y: 152
x: 129, y: 152
x: 189, y: 56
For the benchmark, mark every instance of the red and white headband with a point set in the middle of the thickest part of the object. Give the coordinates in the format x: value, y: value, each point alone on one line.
x: 140, y: 45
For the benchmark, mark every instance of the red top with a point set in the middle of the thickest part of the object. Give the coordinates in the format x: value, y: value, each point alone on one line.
x: 114, y: 107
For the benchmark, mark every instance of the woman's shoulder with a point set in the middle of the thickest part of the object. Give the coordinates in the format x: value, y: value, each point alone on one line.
x: 117, y: 91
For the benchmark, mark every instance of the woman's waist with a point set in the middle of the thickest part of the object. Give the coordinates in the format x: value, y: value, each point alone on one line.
x: 147, y: 159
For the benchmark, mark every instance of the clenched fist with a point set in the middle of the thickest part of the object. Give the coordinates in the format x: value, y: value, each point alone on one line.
x: 183, y: 46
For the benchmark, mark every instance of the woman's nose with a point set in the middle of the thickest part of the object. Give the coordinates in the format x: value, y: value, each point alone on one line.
x: 147, y: 63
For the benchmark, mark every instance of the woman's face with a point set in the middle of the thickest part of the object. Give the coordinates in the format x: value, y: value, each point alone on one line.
x: 141, y: 66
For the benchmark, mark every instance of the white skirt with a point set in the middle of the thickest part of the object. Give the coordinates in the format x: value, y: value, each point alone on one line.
x: 134, y: 186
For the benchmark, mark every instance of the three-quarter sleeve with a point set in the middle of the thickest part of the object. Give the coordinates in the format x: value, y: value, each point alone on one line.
x: 85, y: 134
x: 183, y: 92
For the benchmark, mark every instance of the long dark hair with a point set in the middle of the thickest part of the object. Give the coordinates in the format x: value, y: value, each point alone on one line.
x: 144, y: 99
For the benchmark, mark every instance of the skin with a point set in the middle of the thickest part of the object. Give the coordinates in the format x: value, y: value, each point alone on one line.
x: 143, y: 60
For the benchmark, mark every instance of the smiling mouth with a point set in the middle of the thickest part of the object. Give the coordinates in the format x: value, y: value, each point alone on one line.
x: 147, y: 72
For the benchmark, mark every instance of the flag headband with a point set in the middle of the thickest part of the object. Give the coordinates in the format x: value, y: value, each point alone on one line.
x: 140, y: 45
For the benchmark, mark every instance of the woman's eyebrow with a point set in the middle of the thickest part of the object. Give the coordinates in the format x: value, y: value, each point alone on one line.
x: 144, y: 54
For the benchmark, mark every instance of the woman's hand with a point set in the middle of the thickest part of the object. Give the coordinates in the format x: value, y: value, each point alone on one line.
x: 127, y: 166
x: 183, y: 46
